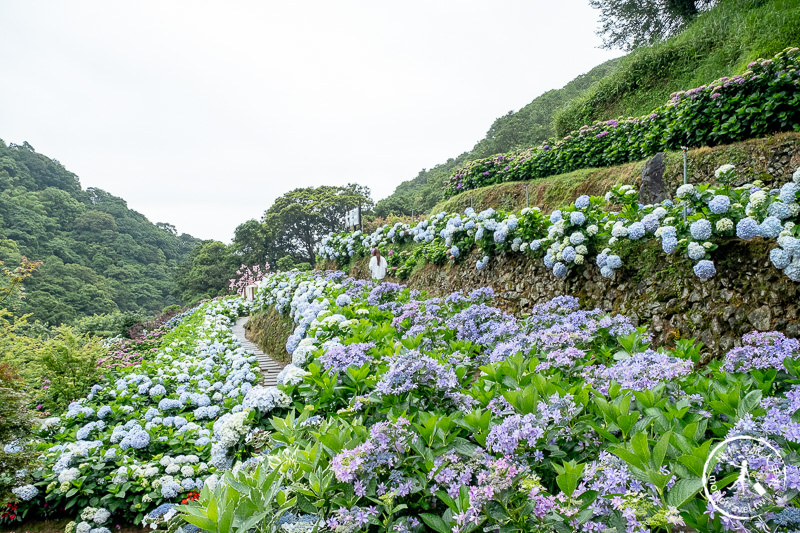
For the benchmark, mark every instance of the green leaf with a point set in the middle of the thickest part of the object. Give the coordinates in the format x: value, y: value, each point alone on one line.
x: 629, y: 457
x: 683, y: 491
x: 640, y: 447
x: 660, y: 449
x: 435, y: 522
x: 749, y: 402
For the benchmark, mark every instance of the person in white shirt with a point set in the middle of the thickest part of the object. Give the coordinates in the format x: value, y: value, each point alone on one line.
x: 378, y: 265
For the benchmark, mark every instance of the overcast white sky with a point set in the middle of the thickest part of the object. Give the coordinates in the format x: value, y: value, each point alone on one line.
x: 202, y: 113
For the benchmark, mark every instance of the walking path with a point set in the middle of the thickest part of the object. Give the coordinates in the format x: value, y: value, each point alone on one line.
x: 269, y: 366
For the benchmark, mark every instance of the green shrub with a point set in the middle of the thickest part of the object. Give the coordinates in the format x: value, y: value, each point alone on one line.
x: 69, y: 365
x: 285, y: 263
x: 109, y: 325
x: 15, y: 424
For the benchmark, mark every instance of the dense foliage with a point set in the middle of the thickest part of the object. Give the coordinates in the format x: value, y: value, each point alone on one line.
x: 99, y: 256
x: 721, y: 41
x: 590, y: 231
x: 149, y: 430
x: 629, y: 25
x: 764, y: 99
x: 446, y: 414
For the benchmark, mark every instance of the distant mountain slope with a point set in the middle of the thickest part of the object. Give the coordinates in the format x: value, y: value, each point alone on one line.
x: 530, y: 125
x: 722, y: 41
x: 99, y: 255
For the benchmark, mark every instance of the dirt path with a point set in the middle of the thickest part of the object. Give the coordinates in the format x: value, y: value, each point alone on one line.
x: 269, y: 366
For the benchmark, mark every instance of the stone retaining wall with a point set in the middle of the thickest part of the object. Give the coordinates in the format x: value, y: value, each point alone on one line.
x: 661, y: 291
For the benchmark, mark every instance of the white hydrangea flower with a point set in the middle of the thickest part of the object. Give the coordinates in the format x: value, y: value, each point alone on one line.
x: 724, y: 224
x: 685, y: 190
x: 724, y: 169
x: 758, y: 198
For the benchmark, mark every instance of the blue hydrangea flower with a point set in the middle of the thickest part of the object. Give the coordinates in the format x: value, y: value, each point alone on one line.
x: 560, y: 270
x: 704, y: 269
x: 779, y: 210
x: 696, y: 251
x: 25, y: 492
x: 549, y: 260
x: 582, y: 202
x: 770, y: 228
x: 568, y: 254
x: 601, y: 259
x: 555, y: 216
x: 780, y: 258
x: 669, y: 243
x: 454, y: 251
x: 500, y: 234
x: 607, y: 272
x: 343, y: 300
x: 701, y: 229
x: 614, y: 262
x: 650, y: 222
x: 793, y: 271
x: 577, y: 218
x: 636, y: 231
x: 292, y: 342
x: 789, y: 192
x: 747, y: 229
x: 719, y: 204
x: 577, y: 238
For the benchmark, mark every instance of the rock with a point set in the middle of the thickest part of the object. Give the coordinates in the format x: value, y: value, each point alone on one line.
x: 760, y: 318
x: 653, y: 188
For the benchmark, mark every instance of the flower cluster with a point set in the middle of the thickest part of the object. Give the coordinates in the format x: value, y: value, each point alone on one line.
x: 696, y: 117
x: 158, y: 429
x: 592, y: 231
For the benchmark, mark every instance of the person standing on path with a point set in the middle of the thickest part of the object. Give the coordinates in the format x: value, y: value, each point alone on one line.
x: 378, y: 265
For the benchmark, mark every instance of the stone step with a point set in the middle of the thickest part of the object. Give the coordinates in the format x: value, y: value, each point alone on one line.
x: 269, y: 366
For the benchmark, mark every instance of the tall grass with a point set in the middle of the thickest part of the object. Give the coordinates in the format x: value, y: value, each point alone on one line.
x: 721, y: 42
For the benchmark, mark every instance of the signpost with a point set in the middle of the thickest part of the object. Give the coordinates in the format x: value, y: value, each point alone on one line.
x: 352, y: 219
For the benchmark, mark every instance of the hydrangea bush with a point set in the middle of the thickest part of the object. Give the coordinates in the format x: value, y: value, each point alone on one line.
x: 406, y: 413
x: 592, y: 232
x: 764, y: 99
x: 411, y: 413
x: 155, y: 432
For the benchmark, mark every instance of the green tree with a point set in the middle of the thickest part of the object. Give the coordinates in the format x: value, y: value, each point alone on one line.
x: 297, y: 221
x: 252, y: 245
x: 207, y: 273
x: 100, y: 256
x: 629, y: 24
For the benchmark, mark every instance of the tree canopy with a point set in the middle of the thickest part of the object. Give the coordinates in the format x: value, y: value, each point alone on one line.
x: 98, y: 255
x: 629, y: 24
x: 299, y: 219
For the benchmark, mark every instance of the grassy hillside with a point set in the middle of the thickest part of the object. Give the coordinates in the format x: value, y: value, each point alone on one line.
x: 720, y: 42
x: 754, y: 158
x: 529, y: 126
x: 99, y: 256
